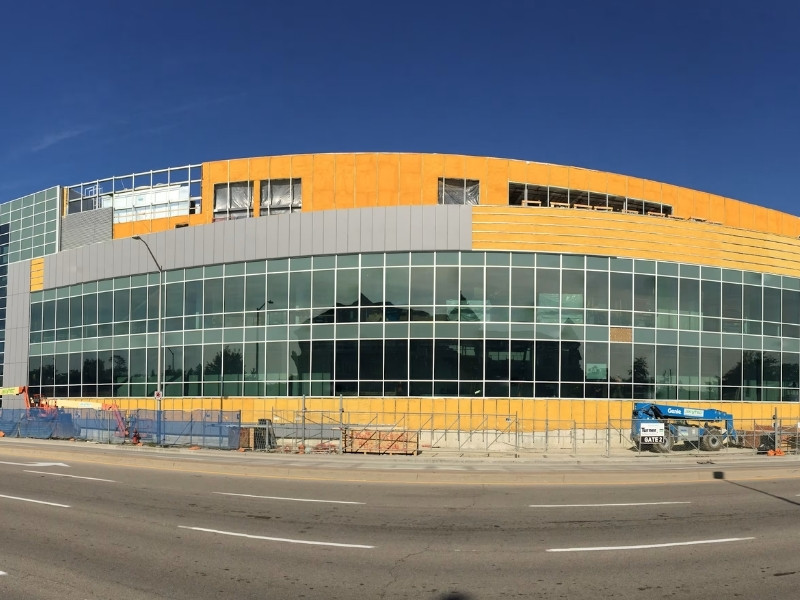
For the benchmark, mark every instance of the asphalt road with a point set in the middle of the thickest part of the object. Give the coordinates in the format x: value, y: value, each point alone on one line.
x: 91, y: 522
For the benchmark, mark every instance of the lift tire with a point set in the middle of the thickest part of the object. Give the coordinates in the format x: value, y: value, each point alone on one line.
x: 662, y: 448
x: 712, y: 442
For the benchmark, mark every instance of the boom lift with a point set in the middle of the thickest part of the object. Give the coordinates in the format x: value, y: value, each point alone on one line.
x: 706, y: 428
x: 43, y: 416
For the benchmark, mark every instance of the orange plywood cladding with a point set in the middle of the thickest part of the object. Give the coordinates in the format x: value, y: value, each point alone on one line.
x: 366, y: 181
x: 344, y: 180
x: 361, y: 180
x: 410, y: 186
x: 388, y: 179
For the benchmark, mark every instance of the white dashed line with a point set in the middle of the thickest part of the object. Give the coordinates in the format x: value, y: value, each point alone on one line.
x: 601, y: 505
x: 72, y: 476
x: 276, y: 539
x: 290, y: 499
x: 648, y: 546
x: 34, y: 501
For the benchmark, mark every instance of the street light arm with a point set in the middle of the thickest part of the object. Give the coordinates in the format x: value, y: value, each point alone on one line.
x: 146, y: 245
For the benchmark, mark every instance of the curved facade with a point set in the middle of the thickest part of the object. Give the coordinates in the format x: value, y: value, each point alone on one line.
x: 406, y: 283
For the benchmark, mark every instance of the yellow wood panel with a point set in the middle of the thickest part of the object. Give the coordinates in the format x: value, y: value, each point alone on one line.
x: 475, y: 167
x: 773, y: 220
x: 280, y: 167
x: 684, y: 203
x: 516, y: 170
x: 259, y: 168
x: 761, y: 218
x: 122, y: 230
x: 652, y: 191
x: 559, y: 176
x: 388, y: 179
x: 788, y: 225
x: 578, y: 178
x: 410, y: 179
x: 239, y: 169
x: 345, y: 184
x: 717, y: 208
x: 302, y: 165
x: 732, y: 213
x: 598, y: 182
x: 702, y: 208
x: 216, y: 172
x: 538, y: 173
x: 454, y: 166
x: 747, y: 216
x: 366, y: 180
x: 635, y: 187
x: 496, y: 182
x: 579, y: 231
x: 323, y: 184
x: 617, y: 184
x: 432, y: 170
x: 669, y: 196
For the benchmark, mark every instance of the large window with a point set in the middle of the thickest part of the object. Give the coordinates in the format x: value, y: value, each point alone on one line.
x: 281, y: 195
x: 486, y: 324
x: 526, y: 194
x: 459, y: 191
x: 233, y: 200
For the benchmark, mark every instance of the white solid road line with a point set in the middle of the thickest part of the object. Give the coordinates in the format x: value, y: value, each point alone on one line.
x: 648, y: 546
x: 34, y: 501
x: 3, y: 573
x: 290, y: 499
x: 600, y: 505
x: 276, y: 539
x: 73, y: 476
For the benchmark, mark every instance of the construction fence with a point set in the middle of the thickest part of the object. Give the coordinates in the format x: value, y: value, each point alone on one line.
x: 203, y: 428
x: 309, y: 431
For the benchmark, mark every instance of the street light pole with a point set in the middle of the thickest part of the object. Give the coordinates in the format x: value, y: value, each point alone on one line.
x: 160, y: 350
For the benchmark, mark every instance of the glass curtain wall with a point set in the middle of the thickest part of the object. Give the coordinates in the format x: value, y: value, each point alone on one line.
x: 426, y: 324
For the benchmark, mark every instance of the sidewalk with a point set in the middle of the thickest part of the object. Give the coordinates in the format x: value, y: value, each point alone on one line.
x: 622, y: 467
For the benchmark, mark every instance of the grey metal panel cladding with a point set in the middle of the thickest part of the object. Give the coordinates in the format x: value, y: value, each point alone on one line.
x: 15, y: 367
x: 80, y: 229
x: 354, y: 240
x: 307, y: 233
x: 441, y: 223
x: 340, y: 242
x: 428, y: 222
x: 416, y: 232
x: 390, y: 226
x: 249, y: 243
x: 330, y: 221
x: 377, y: 229
x: 293, y: 236
x: 272, y: 236
x: 366, y: 224
x: 317, y: 232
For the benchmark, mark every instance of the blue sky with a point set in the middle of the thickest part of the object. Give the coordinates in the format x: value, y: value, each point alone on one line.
x: 703, y: 94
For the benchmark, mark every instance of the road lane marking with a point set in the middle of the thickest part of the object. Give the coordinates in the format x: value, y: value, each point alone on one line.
x: 648, y: 546
x: 34, y: 501
x: 65, y: 475
x: 601, y: 505
x: 276, y: 539
x: 3, y: 573
x: 37, y: 464
x: 291, y: 499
